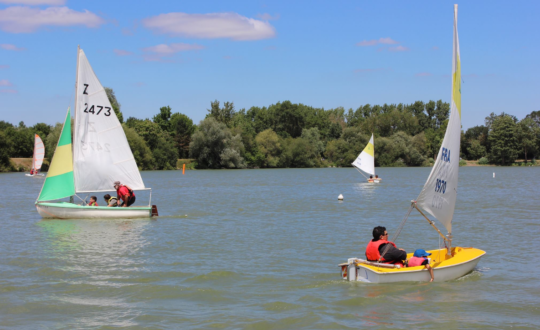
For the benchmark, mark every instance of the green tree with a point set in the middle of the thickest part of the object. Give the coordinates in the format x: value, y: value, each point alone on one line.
x: 182, y: 127
x: 503, y: 140
x: 475, y: 150
x: 314, y: 138
x: 527, y: 133
x: 160, y: 142
x: 213, y: 146
x: 269, y: 146
x: 163, y: 118
x: 5, y: 152
x: 114, y: 103
x: 222, y: 115
x: 142, y: 154
x: 52, y: 140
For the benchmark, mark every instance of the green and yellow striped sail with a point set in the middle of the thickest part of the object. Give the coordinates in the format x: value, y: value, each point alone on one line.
x: 59, y: 182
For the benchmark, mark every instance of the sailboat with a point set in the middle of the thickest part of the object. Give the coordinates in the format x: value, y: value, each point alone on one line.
x: 37, y: 158
x: 366, y: 162
x: 438, y: 199
x: 99, y: 156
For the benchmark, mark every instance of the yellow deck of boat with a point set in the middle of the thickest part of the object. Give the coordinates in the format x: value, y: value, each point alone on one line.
x: 439, y: 259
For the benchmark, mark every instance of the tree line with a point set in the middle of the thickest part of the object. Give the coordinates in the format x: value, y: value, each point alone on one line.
x: 286, y: 134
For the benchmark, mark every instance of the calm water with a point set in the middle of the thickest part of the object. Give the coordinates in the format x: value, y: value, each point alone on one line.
x: 258, y: 249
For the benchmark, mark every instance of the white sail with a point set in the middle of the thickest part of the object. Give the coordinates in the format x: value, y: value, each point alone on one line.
x: 101, y: 153
x: 39, y: 153
x: 366, y: 160
x: 438, y: 197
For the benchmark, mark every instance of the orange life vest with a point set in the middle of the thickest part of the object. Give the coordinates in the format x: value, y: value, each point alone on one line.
x: 372, y: 250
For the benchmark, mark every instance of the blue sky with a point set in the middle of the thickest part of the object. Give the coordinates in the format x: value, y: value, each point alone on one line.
x: 186, y: 54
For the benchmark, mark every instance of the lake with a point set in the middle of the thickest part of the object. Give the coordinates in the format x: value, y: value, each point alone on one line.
x: 259, y: 249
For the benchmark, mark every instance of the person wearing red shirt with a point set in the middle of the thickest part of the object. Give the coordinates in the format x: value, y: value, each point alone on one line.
x: 126, y: 195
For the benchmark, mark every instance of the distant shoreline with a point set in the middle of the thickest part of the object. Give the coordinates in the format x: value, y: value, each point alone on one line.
x: 26, y: 163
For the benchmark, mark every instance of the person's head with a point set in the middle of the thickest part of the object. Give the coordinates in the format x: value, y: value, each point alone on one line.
x: 93, y: 198
x: 376, y: 176
x: 371, y: 176
x: 116, y: 184
x: 379, y: 232
x: 107, y: 197
x: 421, y: 253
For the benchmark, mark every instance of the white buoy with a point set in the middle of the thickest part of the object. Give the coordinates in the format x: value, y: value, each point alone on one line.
x: 493, y: 174
x: 340, y: 197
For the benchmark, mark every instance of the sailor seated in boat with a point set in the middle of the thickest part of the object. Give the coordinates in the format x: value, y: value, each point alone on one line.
x: 370, y: 178
x: 420, y: 259
x: 381, y: 245
x: 111, y: 201
x: 377, y: 178
x: 93, y: 201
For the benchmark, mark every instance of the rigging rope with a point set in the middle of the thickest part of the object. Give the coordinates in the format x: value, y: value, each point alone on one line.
x: 398, y: 231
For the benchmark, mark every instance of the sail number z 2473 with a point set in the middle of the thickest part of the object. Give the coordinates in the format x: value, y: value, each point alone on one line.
x: 97, y: 109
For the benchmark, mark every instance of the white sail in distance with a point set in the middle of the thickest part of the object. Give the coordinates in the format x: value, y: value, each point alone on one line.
x: 101, y: 153
x: 39, y: 153
x: 438, y: 197
x: 366, y: 160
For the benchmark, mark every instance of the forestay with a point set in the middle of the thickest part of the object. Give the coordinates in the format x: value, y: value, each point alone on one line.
x: 39, y: 153
x: 438, y: 197
x: 101, y: 151
x: 366, y: 160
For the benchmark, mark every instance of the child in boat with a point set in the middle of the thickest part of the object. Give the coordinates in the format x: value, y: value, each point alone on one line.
x: 111, y: 201
x: 93, y: 201
x: 370, y: 178
x: 420, y: 259
x: 377, y: 178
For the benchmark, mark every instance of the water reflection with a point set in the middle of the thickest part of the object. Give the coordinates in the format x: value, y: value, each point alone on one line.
x: 96, y: 248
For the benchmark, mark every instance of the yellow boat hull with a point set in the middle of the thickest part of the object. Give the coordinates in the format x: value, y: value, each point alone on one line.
x: 445, y: 268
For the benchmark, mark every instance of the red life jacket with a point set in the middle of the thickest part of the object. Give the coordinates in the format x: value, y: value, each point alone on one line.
x: 372, y: 250
x: 93, y: 204
x: 128, y: 189
x: 416, y: 261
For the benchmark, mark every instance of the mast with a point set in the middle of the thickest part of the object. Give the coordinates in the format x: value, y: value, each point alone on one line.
x: 75, y: 113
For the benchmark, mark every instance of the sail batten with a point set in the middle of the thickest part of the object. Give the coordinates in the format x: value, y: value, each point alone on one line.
x: 366, y: 160
x: 101, y: 152
x: 438, y: 197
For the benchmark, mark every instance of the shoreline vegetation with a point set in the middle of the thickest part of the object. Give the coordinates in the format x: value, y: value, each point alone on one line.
x: 291, y: 135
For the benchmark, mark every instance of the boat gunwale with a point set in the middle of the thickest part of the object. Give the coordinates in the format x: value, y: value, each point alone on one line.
x: 86, y: 207
x: 406, y: 270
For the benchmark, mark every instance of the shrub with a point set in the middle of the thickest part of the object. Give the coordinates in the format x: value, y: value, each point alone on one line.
x: 483, y: 161
x: 462, y: 162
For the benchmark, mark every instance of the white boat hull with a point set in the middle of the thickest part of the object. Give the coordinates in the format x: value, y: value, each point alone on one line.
x: 72, y: 211
x: 35, y: 175
x: 444, y: 271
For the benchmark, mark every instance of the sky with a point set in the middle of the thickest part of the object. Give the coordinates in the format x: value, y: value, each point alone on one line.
x: 186, y: 54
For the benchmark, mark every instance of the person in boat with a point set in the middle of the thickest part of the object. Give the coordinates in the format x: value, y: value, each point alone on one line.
x: 31, y: 171
x: 93, y: 201
x: 377, y: 177
x: 380, y: 244
x: 420, y: 259
x: 370, y: 178
x: 111, y: 201
x: 125, y: 194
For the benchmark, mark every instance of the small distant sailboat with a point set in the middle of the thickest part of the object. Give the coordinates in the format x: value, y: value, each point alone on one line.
x: 366, y: 162
x: 37, y: 158
x: 100, y: 156
x: 437, y: 198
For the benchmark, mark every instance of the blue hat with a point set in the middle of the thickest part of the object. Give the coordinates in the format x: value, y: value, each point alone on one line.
x: 421, y: 253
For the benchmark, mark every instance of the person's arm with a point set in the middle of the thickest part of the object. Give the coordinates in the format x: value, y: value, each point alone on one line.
x: 126, y: 199
x: 392, y: 253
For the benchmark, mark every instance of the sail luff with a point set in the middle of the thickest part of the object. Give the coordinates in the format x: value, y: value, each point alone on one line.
x: 366, y: 160
x: 438, y: 197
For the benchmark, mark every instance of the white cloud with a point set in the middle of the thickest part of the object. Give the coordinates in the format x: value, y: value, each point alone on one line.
x: 26, y: 19
x: 34, y: 2
x: 11, y: 47
x: 387, y: 41
x: 8, y: 91
x: 5, y: 82
x: 165, y: 50
x: 398, y: 49
x: 210, y: 26
x: 121, y: 52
